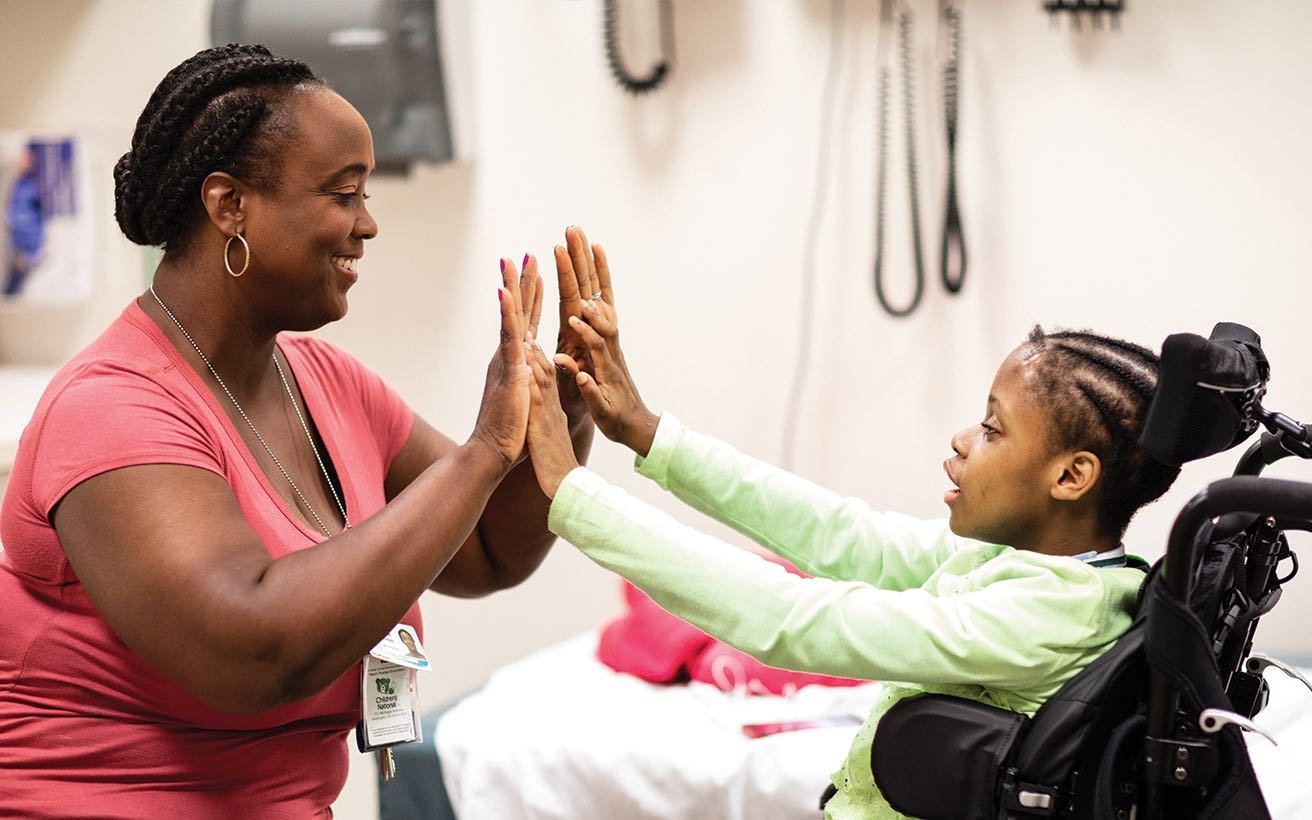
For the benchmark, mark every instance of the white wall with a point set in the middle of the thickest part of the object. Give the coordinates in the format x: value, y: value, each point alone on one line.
x: 1141, y: 182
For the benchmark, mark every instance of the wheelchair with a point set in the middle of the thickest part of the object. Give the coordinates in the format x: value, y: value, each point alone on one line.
x: 1151, y: 729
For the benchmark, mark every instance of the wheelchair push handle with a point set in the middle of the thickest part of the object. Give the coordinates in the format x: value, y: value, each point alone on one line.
x: 1273, y: 447
x: 1289, y: 501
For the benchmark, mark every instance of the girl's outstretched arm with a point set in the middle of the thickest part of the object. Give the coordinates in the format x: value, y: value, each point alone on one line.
x: 823, y: 533
x: 1021, y: 622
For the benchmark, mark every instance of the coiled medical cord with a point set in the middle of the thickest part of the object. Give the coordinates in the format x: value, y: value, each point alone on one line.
x: 908, y: 100
x: 629, y: 82
x: 954, y: 242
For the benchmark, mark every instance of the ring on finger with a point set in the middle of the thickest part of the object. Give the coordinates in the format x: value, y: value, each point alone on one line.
x: 596, y: 296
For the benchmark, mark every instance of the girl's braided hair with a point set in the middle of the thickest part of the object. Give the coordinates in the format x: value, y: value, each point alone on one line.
x: 1099, y: 390
x: 217, y: 111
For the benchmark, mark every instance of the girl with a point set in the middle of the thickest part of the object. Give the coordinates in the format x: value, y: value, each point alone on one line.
x: 1022, y: 586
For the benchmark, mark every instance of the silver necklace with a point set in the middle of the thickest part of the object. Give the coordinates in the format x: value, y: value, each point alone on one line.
x: 331, y: 488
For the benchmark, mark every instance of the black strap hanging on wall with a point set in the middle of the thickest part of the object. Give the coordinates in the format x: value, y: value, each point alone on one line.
x: 908, y: 99
x: 952, y: 263
x: 629, y: 82
x: 952, y: 259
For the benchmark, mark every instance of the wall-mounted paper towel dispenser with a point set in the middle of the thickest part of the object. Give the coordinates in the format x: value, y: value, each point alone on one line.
x: 399, y: 62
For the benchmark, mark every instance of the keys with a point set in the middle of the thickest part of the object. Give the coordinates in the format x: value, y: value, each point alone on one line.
x: 386, y: 764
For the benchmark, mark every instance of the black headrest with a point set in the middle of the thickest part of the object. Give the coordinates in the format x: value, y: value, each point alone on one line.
x: 1201, y: 403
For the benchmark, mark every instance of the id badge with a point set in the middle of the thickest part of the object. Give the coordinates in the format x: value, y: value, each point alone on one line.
x: 389, y: 691
x: 391, y: 705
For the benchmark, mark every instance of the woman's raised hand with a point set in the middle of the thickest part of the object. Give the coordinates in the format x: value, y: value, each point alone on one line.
x: 593, y: 356
x: 503, y: 415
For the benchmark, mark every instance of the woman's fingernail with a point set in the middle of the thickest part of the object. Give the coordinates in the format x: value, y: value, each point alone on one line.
x: 503, y: 264
x: 501, y: 294
x: 524, y: 264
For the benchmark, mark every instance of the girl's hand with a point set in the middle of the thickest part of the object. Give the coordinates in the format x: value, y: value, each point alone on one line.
x: 503, y: 415
x: 602, y: 376
x: 549, y: 443
x: 579, y: 280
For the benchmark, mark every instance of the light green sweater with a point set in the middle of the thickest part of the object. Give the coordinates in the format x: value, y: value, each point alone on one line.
x: 893, y: 599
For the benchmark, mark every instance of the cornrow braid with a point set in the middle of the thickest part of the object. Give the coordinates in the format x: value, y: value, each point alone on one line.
x: 219, y: 110
x: 1099, y: 389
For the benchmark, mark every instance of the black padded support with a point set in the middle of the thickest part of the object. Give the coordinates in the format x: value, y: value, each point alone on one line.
x: 1083, y: 711
x: 1197, y: 411
x: 1179, y: 647
x: 1237, y: 793
x: 918, y: 736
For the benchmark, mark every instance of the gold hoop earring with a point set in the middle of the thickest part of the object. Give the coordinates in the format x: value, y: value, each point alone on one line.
x: 227, y: 265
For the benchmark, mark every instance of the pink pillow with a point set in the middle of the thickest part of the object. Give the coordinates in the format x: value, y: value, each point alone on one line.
x: 649, y: 642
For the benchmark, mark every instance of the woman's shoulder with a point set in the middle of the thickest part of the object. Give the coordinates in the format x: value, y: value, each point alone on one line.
x: 130, y: 355
x: 122, y: 400
x: 128, y: 389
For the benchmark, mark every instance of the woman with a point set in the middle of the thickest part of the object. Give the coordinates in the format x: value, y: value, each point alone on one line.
x: 210, y: 524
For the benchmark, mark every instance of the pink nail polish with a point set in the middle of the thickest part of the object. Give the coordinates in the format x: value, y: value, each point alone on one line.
x: 503, y: 264
x: 524, y: 264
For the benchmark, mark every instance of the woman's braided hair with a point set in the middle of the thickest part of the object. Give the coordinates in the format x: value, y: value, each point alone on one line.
x: 217, y: 111
x: 1099, y: 390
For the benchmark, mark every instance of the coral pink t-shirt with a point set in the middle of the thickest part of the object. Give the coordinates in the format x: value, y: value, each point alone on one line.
x: 87, y: 728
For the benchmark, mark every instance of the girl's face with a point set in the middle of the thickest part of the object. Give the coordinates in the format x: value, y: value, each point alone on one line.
x: 307, y: 236
x: 1005, y: 465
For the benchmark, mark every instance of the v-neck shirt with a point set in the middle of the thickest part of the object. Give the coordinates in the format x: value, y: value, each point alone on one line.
x: 80, y: 708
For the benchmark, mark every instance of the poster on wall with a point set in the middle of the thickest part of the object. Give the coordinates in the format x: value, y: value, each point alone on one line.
x: 46, y: 241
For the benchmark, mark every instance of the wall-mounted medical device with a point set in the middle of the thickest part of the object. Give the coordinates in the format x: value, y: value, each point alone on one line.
x: 401, y: 63
x: 658, y: 73
x: 1093, y: 10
